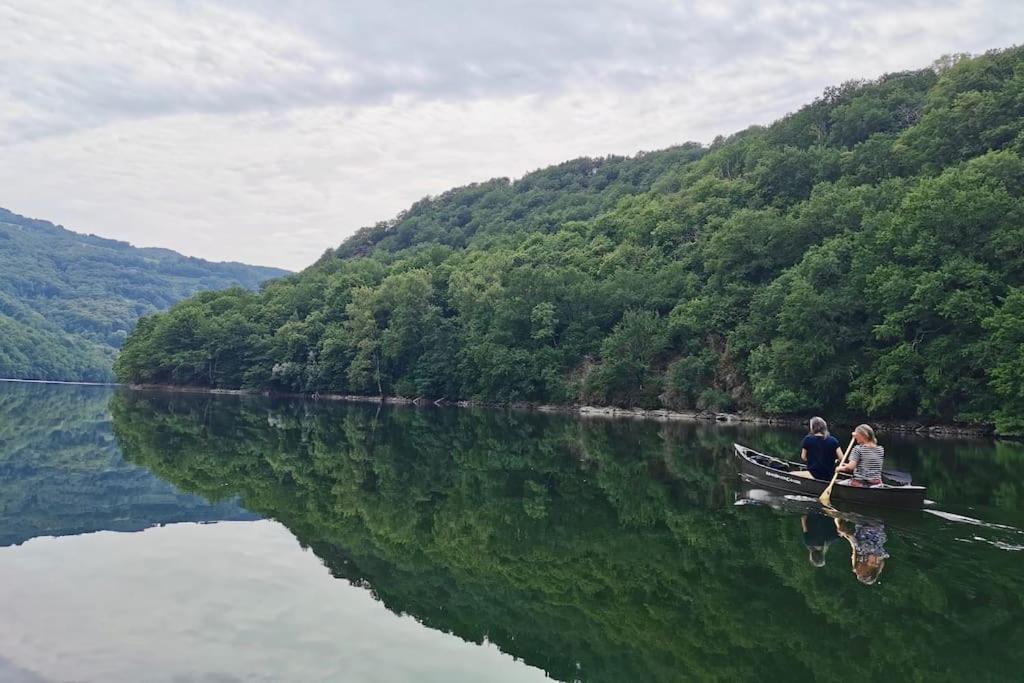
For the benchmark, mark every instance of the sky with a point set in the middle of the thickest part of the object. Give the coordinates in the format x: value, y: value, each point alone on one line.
x: 267, y: 131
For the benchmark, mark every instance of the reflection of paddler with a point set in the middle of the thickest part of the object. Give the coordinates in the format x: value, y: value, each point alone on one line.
x: 867, y: 543
x: 819, y: 534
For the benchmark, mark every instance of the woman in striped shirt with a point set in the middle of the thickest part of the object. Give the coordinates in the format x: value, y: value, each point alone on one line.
x: 866, y: 459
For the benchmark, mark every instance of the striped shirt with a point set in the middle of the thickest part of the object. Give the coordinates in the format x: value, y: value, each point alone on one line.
x: 869, y: 463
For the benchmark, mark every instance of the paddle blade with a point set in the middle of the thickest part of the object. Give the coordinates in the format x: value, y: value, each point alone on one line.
x: 826, y: 497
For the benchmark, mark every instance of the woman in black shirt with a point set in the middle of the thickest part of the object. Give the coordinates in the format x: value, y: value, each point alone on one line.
x: 820, y: 450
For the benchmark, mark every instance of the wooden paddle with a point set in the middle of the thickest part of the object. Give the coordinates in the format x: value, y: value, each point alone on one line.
x: 826, y: 495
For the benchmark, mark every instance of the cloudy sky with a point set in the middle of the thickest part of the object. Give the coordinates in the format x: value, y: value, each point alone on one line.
x: 266, y: 131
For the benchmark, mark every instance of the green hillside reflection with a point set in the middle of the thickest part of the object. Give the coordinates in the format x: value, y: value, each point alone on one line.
x: 61, y: 471
x: 598, y: 551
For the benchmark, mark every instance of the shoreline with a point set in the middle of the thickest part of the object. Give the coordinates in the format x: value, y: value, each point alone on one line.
x: 919, y: 427
x: 11, y: 380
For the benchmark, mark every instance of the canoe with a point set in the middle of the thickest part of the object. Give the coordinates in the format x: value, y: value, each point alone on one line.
x: 793, y: 477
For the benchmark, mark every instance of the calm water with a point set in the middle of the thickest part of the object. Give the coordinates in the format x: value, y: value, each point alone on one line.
x: 193, y: 538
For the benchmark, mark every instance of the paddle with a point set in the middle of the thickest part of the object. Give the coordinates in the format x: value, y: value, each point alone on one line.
x: 826, y: 495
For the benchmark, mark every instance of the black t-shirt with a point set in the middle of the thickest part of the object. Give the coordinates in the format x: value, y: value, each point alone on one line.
x: 821, y: 455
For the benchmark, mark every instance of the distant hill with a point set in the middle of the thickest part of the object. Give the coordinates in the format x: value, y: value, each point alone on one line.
x: 863, y: 256
x: 67, y: 300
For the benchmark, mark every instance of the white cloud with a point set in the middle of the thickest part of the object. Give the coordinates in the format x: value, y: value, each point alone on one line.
x: 269, y: 132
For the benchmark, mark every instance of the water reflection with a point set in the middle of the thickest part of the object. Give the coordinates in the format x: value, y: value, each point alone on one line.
x: 822, y: 527
x: 819, y: 533
x: 598, y: 551
x: 61, y: 471
x: 867, y: 548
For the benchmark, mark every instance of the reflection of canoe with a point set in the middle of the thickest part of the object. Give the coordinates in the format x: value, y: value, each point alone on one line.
x: 754, y: 493
x: 794, y: 478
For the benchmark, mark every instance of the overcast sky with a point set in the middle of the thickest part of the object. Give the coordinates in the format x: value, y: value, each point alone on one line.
x: 267, y: 131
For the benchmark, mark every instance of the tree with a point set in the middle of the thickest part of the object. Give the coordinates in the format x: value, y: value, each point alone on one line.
x: 851, y: 257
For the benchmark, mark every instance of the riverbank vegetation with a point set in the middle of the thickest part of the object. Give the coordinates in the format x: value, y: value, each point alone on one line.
x: 864, y: 254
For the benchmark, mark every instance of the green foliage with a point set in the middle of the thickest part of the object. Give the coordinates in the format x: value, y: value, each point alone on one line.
x: 605, y: 550
x: 625, y: 376
x: 852, y: 256
x: 1006, y: 353
x: 68, y: 301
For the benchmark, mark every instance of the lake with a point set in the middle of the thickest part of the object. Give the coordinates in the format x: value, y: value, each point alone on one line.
x: 175, y: 537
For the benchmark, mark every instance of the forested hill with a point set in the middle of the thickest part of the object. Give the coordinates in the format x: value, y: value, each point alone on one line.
x: 67, y: 300
x: 862, y: 255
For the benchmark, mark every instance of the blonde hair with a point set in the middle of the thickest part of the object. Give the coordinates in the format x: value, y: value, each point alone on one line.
x: 867, y: 432
x: 819, y: 426
x: 868, y: 572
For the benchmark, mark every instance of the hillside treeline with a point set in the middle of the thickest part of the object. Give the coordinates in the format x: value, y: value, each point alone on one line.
x: 864, y: 254
x: 68, y: 300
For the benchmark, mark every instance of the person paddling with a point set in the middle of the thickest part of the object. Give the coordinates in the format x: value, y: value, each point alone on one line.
x: 820, y: 450
x: 865, y: 462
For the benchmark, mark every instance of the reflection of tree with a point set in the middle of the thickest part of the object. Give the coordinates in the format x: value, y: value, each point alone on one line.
x: 602, y: 551
x: 960, y: 471
x: 61, y: 471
